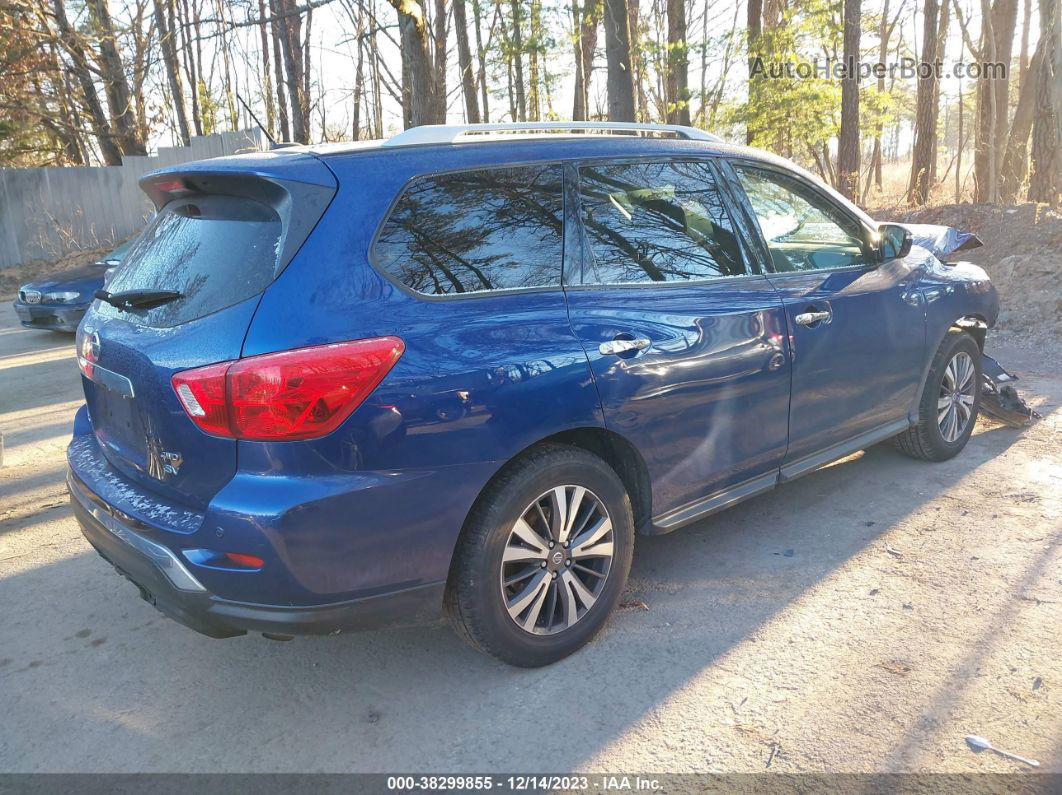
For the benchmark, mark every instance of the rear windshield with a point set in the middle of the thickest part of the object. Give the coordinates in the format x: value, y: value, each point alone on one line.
x: 214, y: 250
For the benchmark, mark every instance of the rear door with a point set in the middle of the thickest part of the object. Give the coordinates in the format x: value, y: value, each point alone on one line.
x: 857, y: 325
x: 686, y: 339
x: 218, y: 241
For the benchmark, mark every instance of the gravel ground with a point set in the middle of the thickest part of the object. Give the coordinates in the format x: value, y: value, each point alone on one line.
x: 864, y: 618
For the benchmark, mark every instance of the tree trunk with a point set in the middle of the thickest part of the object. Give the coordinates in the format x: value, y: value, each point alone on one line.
x: 359, y: 82
x: 481, y: 56
x: 678, y: 91
x: 163, y: 19
x: 439, y: 40
x: 999, y: 21
x: 1045, y: 180
x: 618, y: 53
x: 115, y: 83
x: 534, y: 98
x: 924, y: 151
x: 848, y: 139
x: 190, y: 68
x: 414, y: 31
x: 278, y: 65
x: 585, y: 44
x: 307, y: 69
x: 1023, y: 54
x: 267, y: 81
x: 943, y: 22
x: 291, y: 47
x: 517, y: 56
x: 1015, y: 160
x: 755, y: 29
x: 464, y: 61
x: 634, y: 29
x: 884, y: 34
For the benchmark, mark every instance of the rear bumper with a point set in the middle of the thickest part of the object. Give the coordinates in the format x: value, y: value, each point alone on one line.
x: 167, y: 583
x: 50, y: 317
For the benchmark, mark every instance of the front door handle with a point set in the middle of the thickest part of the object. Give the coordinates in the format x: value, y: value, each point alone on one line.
x: 807, y: 318
x: 613, y: 347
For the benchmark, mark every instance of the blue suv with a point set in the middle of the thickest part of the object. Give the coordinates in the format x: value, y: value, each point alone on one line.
x: 458, y: 370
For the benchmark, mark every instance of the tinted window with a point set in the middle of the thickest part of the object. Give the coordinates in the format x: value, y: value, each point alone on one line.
x: 803, y: 229
x: 662, y: 221
x: 492, y: 229
x: 215, y: 250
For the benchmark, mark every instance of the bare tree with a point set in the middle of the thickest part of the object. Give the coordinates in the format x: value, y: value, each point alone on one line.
x: 276, y: 32
x: 75, y: 48
x: 534, y: 99
x: 1014, y: 170
x: 416, y: 61
x: 516, y: 58
x: 481, y: 55
x: 885, y: 30
x: 164, y: 22
x: 115, y: 82
x: 754, y: 25
x: 464, y: 61
x: 585, y: 22
x: 618, y: 54
x: 924, y: 153
x: 1045, y: 179
x: 848, y: 149
x: 267, y: 80
x: 439, y: 41
x: 678, y: 91
x: 997, y: 34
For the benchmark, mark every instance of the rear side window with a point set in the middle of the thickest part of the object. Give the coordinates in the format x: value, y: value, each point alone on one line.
x: 655, y: 221
x: 214, y: 250
x: 474, y: 231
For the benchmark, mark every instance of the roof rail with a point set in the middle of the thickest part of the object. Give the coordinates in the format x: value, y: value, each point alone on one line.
x: 450, y: 133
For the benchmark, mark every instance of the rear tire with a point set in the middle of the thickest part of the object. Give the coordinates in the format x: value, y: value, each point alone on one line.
x: 950, y: 401
x: 543, y: 559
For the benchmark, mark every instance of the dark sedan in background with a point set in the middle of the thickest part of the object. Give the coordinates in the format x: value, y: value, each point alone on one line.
x: 59, y: 301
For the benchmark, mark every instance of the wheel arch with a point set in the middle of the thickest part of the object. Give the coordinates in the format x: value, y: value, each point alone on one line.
x: 973, y: 324
x: 613, y: 448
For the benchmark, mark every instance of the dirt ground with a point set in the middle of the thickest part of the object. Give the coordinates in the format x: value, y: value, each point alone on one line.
x: 864, y: 618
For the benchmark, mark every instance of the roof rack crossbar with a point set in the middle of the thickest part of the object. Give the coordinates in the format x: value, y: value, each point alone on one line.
x: 450, y: 133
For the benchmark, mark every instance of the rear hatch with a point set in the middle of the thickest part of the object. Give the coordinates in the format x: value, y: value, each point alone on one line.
x: 224, y: 230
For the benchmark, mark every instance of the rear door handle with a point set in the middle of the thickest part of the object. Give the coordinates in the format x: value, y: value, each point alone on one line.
x: 613, y: 347
x: 807, y: 318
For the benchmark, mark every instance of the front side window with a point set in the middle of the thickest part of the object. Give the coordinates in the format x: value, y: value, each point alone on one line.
x: 804, y: 231
x: 474, y: 231
x: 655, y: 222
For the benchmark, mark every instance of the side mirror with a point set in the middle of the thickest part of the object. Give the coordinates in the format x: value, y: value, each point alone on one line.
x: 895, y: 241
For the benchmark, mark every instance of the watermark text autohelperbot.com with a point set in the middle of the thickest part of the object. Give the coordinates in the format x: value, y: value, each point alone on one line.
x: 903, y: 68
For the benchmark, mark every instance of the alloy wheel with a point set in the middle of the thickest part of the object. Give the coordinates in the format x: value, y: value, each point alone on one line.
x: 956, y: 400
x: 556, y: 560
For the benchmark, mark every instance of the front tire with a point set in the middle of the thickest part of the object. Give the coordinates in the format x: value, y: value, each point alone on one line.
x: 950, y: 401
x: 543, y: 558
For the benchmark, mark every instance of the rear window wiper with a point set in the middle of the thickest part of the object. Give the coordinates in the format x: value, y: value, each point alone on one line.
x: 138, y: 299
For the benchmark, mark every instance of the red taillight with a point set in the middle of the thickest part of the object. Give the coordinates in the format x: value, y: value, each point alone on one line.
x: 202, y: 393
x: 299, y: 394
